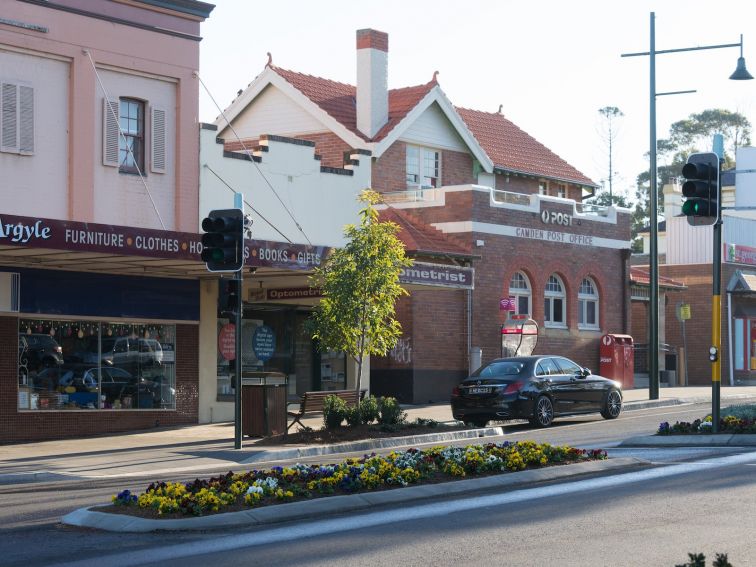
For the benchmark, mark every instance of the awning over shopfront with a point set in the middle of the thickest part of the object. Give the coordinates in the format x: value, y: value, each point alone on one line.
x: 70, y: 245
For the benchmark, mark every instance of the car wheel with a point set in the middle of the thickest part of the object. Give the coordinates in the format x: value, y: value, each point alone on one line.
x: 543, y: 412
x: 612, y: 405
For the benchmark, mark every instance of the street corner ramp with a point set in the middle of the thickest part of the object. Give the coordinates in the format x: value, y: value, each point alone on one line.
x: 279, y: 454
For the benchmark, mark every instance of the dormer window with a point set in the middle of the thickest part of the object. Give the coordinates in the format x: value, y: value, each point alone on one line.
x: 423, y: 167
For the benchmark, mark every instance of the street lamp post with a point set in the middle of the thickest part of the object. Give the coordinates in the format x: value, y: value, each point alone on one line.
x: 653, y: 335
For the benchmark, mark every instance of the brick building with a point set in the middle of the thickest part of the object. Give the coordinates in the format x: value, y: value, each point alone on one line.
x: 470, y: 190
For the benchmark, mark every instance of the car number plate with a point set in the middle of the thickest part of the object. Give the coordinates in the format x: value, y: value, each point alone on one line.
x: 480, y: 390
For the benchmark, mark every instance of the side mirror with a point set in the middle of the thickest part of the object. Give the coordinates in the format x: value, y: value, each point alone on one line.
x: 585, y: 372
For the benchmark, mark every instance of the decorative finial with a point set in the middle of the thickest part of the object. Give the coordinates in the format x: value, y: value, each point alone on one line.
x: 270, y: 60
x: 500, y: 107
x: 435, y: 74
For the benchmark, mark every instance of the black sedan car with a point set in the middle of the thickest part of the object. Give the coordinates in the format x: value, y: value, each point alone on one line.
x: 536, y: 388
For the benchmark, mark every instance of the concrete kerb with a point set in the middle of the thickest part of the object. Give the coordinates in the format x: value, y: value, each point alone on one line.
x: 308, y: 509
x: 717, y: 440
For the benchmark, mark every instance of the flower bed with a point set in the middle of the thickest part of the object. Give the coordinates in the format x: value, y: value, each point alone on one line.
x: 735, y: 419
x: 232, y: 492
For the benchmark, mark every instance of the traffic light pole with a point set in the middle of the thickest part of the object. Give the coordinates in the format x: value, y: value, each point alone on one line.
x: 716, y: 324
x: 238, y: 362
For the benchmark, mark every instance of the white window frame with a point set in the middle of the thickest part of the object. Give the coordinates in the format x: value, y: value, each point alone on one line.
x: 153, y: 137
x: 543, y: 187
x: 423, y: 167
x: 16, y: 118
x: 562, y: 190
x: 554, y: 290
x: 520, y: 288
x: 588, y: 294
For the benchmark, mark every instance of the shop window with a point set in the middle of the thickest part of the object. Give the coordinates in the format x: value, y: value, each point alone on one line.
x: 554, y: 303
x: 78, y: 364
x: 423, y: 168
x: 588, y: 305
x: 519, y: 288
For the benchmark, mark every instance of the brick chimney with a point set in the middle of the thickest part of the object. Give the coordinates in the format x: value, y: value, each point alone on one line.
x: 372, y: 81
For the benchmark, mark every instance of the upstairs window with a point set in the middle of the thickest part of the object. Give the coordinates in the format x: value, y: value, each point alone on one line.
x: 554, y: 307
x: 131, y: 143
x: 588, y: 303
x: 125, y: 141
x: 16, y: 118
x: 519, y: 288
x: 562, y: 191
x: 423, y: 167
x: 543, y: 188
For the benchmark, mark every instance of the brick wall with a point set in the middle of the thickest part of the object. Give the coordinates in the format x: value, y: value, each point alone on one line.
x: 390, y: 170
x: 328, y: 146
x: 16, y: 426
x: 697, y: 278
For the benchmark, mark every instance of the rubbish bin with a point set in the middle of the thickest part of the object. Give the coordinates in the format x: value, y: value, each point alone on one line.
x: 669, y: 377
x: 616, y: 359
x: 263, y: 403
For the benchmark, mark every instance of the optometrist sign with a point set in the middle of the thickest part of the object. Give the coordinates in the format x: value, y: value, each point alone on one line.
x: 438, y: 275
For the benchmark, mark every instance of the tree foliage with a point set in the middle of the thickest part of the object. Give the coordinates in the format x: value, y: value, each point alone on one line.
x: 690, y: 135
x: 360, y: 285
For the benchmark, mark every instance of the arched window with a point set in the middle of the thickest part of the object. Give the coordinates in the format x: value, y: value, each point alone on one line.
x: 588, y: 305
x: 519, y: 288
x: 554, y: 303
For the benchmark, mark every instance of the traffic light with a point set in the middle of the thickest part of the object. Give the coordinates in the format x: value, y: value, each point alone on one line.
x: 228, y: 297
x: 701, y: 189
x: 223, y: 241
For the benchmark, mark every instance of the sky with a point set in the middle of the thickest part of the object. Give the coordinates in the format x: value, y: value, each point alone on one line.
x: 551, y: 64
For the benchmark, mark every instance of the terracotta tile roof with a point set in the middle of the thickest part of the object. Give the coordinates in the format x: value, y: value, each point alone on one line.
x: 419, y: 238
x: 640, y: 276
x: 512, y: 149
x: 338, y: 100
x: 509, y: 147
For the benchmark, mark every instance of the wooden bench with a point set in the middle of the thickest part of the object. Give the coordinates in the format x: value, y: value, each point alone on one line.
x: 312, y: 402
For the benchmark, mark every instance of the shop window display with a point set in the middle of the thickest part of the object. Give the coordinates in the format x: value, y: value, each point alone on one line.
x: 78, y: 365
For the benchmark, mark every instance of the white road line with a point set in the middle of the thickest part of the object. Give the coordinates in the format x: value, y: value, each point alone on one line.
x: 360, y: 521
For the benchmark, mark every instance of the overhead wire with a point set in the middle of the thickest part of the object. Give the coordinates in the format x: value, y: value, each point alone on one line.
x: 249, y: 153
x: 123, y: 137
x: 250, y: 206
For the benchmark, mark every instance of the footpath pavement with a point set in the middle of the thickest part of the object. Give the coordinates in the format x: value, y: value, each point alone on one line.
x: 183, y: 450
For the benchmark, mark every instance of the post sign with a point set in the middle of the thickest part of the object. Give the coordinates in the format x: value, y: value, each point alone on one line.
x: 264, y: 343
x: 683, y: 311
x: 227, y: 341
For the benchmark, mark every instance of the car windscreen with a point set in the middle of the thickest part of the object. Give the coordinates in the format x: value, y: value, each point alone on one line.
x: 500, y: 369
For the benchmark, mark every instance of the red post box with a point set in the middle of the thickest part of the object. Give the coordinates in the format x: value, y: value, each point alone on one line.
x: 616, y: 359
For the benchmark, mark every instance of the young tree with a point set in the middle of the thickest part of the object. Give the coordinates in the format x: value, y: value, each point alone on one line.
x: 360, y: 284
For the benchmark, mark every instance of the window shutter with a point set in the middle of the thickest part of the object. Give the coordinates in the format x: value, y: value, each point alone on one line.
x: 110, y: 111
x: 9, y: 120
x: 158, y: 140
x: 26, y: 110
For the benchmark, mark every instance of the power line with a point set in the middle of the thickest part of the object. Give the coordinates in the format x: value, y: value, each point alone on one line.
x: 250, y: 206
x: 123, y: 137
x: 238, y: 139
